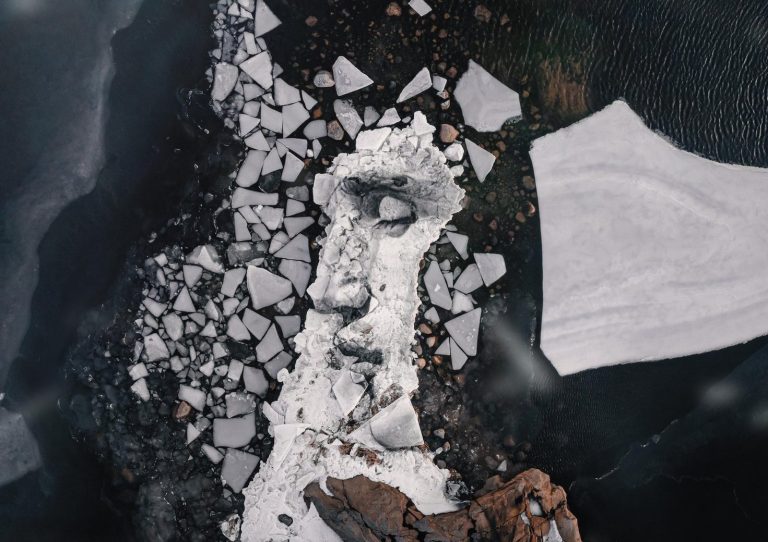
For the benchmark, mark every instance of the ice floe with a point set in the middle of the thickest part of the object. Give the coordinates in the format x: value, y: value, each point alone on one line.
x: 486, y: 103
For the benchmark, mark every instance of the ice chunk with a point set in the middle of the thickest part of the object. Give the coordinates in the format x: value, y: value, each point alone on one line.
x: 256, y: 323
x: 289, y: 325
x: 234, y: 432
x: 232, y: 279
x: 296, y: 225
x: 266, y: 288
x: 297, y: 146
x: 315, y: 129
x: 224, y: 80
x: 297, y: 272
x: 192, y: 274
x: 420, y: 6
x: 259, y: 68
x: 486, y: 102
x: 308, y: 101
x: 138, y: 371
x: 296, y: 249
x: 370, y: 115
x: 293, y: 207
x: 348, y: 78
x: 276, y: 364
x: 464, y: 330
x: 239, y: 403
x: 454, y: 152
x: 444, y: 349
x: 194, y: 396
x: 192, y: 433
x: 294, y: 115
x: 292, y: 168
x: 255, y: 381
x: 250, y: 169
x: 434, y: 282
x: 269, y: 346
x: 458, y: 357
x: 257, y: 142
x: 264, y: 19
x: 139, y: 387
x: 272, y: 162
x: 349, y: 389
x: 389, y: 117
x: 247, y: 124
x: 372, y: 140
x: 286, y: 305
x: 323, y: 188
x: 461, y: 303
x: 236, y: 329
x: 432, y: 316
x: 207, y: 257
x: 482, y: 160
x: 469, y: 280
x: 439, y: 82
x: 183, y: 301
x: 212, y: 453
x: 237, y: 468
x: 348, y: 117
x: 491, y: 266
x: 242, y: 230
x: 242, y: 197
x: 154, y: 308
x: 155, y: 348
x: 271, y: 119
x: 421, y: 82
x: 173, y: 326
x: 284, y: 93
x: 397, y: 425
x: 459, y: 242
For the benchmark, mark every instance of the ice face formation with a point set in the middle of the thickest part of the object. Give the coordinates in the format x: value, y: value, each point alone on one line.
x: 355, y: 373
x: 649, y: 252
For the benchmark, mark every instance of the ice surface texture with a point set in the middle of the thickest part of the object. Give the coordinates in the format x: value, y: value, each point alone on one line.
x: 649, y: 252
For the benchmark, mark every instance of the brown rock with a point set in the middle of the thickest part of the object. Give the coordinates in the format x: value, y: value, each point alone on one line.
x: 335, y: 131
x: 182, y: 411
x: 483, y: 14
x: 425, y: 329
x: 448, y: 133
x: 359, y: 509
x: 394, y: 9
x: 310, y: 21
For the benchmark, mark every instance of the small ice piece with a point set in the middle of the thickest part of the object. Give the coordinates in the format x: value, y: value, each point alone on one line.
x: 458, y: 357
x: 296, y: 249
x: 272, y: 162
x: 348, y: 117
x: 439, y: 82
x: 224, y: 81
x: 269, y: 346
x: 242, y: 230
x: 212, y: 453
x: 257, y: 142
x: 278, y: 241
x: 316, y: 148
x: 397, y: 425
x: 251, y: 91
x: 436, y: 287
x: 155, y: 348
x: 348, y: 389
x: 486, y: 102
x: 294, y: 115
x: 469, y: 280
x: 234, y: 370
x: 286, y: 305
x: 264, y: 19
x: 296, y: 145
x: 482, y: 160
x: 296, y: 225
x: 174, y: 327
x: 432, y: 315
x: 266, y: 288
x: 292, y: 168
x: 242, y: 197
x: 234, y: 10
x: 454, y: 152
x: 209, y: 331
x: 255, y: 381
x: 420, y: 7
x: 239, y: 403
x: 370, y: 115
x: 459, y: 242
x: 461, y: 303
x: 323, y: 188
x: 389, y: 117
x: 271, y: 119
x: 251, y: 47
x: 297, y: 272
x: 421, y: 82
x: 278, y: 363
x: 234, y: 432
x: 138, y: 371
x: 348, y: 78
x: 141, y: 389
x: 293, y: 207
x: 372, y: 140
x: 154, y: 308
x: 284, y: 93
x: 192, y: 274
x: 252, y: 109
x: 316, y: 129
x: 465, y: 330
x: 207, y: 368
x: 491, y: 266
x: 212, y: 310
x: 250, y: 169
x: 444, y: 349
x: 232, y: 279
x: 183, y: 301
x: 256, y: 323
x: 259, y: 68
x: 308, y: 101
x: 289, y: 325
x: 237, y: 469
x: 247, y: 124
x: 323, y: 79
x: 300, y: 193
x: 220, y: 350
x: 206, y: 257
x: 192, y: 433
x: 236, y: 329
x: 194, y: 396
x: 421, y: 125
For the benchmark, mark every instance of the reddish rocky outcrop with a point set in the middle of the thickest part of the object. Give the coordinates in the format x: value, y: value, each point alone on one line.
x: 360, y: 510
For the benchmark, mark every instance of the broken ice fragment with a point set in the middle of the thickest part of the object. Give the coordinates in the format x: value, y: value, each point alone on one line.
x: 454, y: 152
x: 297, y: 272
x: 192, y: 433
x: 458, y: 357
x: 439, y: 82
x: 294, y: 115
x: 285, y: 435
x: 461, y: 303
x: 348, y: 389
x: 370, y: 115
x: 348, y: 78
x: 295, y: 225
x: 239, y: 403
x: 397, y: 425
x: 257, y: 142
x: 206, y: 257
x: 236, y: 329
x: 486, y: 102
x: 323, y: 188
x: 464, y: 330
x: 491, y: 266
x: 247, y: 124
x: 293, y: 207
x: 434, y: 282
x: 224, y: 80
x: 266, y: 288
x: 212, y: 453
x: 348, y: 117
x: 278, y: 363
x: 389, y: 117
x: 256, y: 323
x: 269, y: 346
x: 232, y: 280
x: 264, y: 20
x: 237, y: 469
x: 372, y: 140
x: 255, y: 381
x: 308, y: 101
x: 482, y: 160
x: 259, y: 68
x: 432, y: 316
x: 284, y: 93
x: 155, y: 348
x: 141, y: 389
x: 289, y: 325
x: 138, y: 371
x: 250, y: 169
x: 421, y: 82
x: 459, y: 242
x: 470, y: 279
x: 292, y: 168
x: 242, y: 197
x: 192, y: 274
x: 155, y: 308
x: 183, y: 302
x: 296, y: 249
x: 271, y: 119
x: 420, y: 6
x: 173, y: 326
x: 234, y: 432
x: 315, y: 129
x: 195, y: 397
x: 444, y: 349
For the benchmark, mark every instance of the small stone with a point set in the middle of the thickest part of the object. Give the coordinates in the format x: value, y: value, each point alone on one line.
x: 394, y: 9
x: 448, y: 133
x: 285, y: 519
x: 182, y: 411
x: 483, y: 14
x: 310, y: 21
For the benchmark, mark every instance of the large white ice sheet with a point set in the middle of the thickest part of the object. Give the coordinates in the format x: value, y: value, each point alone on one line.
x: 649, y: 252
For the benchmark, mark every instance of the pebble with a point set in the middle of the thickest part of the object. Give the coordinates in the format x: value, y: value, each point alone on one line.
x: 335, y: 131
x: 394, y: 9
x: 483, y: 14
x: 448, y: 133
